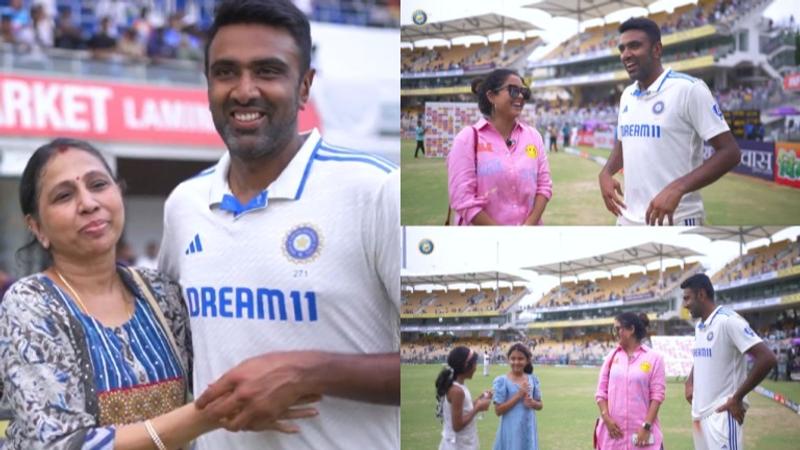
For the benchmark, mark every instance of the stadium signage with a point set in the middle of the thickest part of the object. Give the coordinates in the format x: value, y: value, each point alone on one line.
x: 757, y: 158
x: 781, y: 399
x: 750, y: 280
x: 753, y: 304
x: 440, y: 73
x: 791, y: 82
x: 787, y: 167
x: 638, y: 297
x: 49, y: 107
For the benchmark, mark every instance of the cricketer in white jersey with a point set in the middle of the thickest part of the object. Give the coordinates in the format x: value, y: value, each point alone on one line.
x: 664, y: 117
x: 662, y: 130
x: 720, y: 368
x: 719, y: 381
x: 311, y: 263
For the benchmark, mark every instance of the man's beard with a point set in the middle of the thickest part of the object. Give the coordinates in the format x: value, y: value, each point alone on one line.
x: 265, y: 141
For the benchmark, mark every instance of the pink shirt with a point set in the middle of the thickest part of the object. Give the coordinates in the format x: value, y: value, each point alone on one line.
x: 632, y: 385
x: 507, y: 179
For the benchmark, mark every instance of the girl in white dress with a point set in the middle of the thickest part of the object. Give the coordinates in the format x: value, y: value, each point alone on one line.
x: 455, y: 405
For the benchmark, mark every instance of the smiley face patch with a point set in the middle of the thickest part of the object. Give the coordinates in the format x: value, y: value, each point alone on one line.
x: 645, y: 367
x: 532, y: 151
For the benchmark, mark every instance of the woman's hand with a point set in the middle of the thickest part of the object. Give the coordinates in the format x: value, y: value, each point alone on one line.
x: 642, y: 436
x: 613, y: 429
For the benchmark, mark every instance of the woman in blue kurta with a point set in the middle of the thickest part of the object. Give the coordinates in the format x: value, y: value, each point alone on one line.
x: 93, y: 355
x: 517, y: 395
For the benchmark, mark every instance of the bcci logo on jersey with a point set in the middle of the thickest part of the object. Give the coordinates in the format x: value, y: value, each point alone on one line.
x: 302, y: 244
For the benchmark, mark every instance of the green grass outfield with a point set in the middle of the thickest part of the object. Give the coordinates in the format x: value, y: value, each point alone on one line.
x: 733, y: 200
x: 569, y: 412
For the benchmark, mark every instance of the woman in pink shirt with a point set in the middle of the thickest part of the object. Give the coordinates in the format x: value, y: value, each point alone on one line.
x: 630, y: 390
x: 497, y: 169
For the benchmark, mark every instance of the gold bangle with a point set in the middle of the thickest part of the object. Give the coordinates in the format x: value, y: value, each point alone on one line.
x: 154, y: 435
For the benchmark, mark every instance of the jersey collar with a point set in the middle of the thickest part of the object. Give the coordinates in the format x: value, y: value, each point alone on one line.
x: 655, y: 87
x: 288, y: 186
x: 707, y: 323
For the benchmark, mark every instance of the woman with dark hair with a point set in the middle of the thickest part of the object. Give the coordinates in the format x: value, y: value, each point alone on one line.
x: 497, y: 170
x: 516, y: 395
x: 630, y: 389
x: 455, y: 405
x: 93, y: 355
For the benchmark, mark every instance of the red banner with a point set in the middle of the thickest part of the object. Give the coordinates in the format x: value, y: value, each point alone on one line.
x: 787, y: 163
x: 93, y: 110
x: 791, y: 82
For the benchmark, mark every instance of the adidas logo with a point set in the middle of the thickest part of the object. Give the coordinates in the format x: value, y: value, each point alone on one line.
x: 195, y: 246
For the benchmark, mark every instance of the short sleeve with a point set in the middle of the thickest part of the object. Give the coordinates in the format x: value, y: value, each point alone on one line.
x: 537, y: 387
x: 387, y: 241
x: 500, y: 390
x: 704, y: 112
x: 740, y: 333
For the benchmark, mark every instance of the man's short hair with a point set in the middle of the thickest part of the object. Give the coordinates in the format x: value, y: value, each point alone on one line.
x: 275, y: 13
x: 699, y: 281
x: 643, y: 24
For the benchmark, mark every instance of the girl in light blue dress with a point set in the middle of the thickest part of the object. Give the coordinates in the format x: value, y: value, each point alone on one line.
x: 517, y: 395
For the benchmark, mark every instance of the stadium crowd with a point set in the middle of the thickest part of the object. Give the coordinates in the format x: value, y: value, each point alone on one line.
x: 138, y: 31
x: 588, y: 349
x: 463, y: 57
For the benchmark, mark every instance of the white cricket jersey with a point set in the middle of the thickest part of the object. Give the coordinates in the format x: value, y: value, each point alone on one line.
x: 720, y: 365
x: 311, y: 263
x: 662, y: 131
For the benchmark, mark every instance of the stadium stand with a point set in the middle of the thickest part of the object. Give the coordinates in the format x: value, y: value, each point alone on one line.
x: 474, y: 57
x: 455, y: 301
x: 614, y: 288
x: 760, y: 260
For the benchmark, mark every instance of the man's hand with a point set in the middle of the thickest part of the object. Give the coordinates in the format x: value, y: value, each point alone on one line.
x: 735, y: 407
x: 663, y: 205
x: 610, y: 187
x: 688, y: 391
x: 260, y: 391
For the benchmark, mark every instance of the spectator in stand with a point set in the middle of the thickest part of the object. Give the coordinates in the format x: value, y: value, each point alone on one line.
x: 67, y: 34
x: 7, y: 35
x: 38, y: 33
x: 131, y: 47
x: 117, y: 13
x: 189, y: 47
x: 20, y: 17
x: 102, y: 45
x: 143, y: 25
x: 157, y: 48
